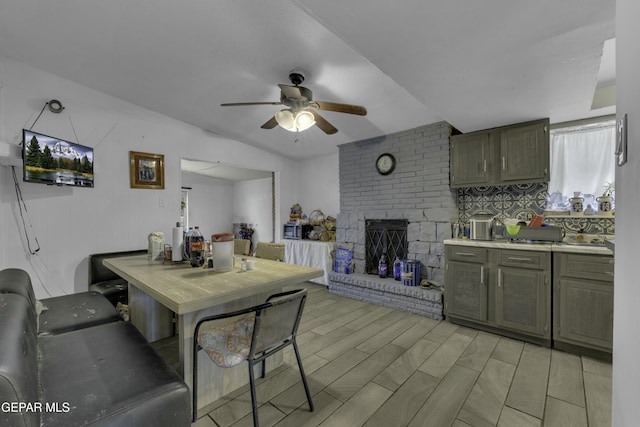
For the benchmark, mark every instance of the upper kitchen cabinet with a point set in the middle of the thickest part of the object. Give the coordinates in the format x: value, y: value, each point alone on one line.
x: 501, y: 156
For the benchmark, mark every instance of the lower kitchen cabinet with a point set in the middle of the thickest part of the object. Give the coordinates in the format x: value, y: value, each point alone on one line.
x: 469, y: 297
x: 522, y: 300
x: 583, y: 302
x: 503, y: 291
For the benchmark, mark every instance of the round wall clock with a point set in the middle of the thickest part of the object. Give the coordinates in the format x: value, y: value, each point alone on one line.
x: 385, y: 164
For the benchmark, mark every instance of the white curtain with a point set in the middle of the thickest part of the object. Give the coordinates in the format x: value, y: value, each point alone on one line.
x: 582, y: 160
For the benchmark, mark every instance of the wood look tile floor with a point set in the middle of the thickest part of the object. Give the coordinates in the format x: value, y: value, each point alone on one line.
x: 373, y: 366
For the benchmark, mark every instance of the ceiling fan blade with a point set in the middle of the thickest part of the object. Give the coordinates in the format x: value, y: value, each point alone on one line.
x: 270, y: 124
x: 236, y: 104
x: 290, y: 91
x: 342, y: 108
x: 323, y: 124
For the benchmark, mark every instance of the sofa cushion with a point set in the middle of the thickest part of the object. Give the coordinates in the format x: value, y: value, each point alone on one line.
x: 116, y: 290
x: 110, y: 375
x: 75, y: 311
x: 18, y: 360
x: 17, y: 281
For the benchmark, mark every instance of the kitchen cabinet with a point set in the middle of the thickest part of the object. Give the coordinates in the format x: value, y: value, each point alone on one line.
x: 466, y: 272
x: 583, y: 301
x: 501, y: 156
x: 500, y: 290
x: 523, y: 293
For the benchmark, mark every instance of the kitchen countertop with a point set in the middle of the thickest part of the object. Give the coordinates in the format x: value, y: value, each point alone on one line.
x: 544, y: 247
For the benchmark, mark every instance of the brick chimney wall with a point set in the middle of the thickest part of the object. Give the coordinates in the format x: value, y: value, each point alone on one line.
x: 417, y: 190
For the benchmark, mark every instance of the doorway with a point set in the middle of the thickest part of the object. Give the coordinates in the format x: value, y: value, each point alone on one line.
x: 219, y: 197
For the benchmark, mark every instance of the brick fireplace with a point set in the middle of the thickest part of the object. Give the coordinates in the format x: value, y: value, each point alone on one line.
x: 417, y: 192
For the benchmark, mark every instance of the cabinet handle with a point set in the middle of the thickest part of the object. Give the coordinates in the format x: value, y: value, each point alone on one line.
x: 610, y: 273
x: 499, y: 278
x: 482, y: 275
x: 465, y: 254
x: 485, y: 165
x: 517, y: 258
x: 503, y: 163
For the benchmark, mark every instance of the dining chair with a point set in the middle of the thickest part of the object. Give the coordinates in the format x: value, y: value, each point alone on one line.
x: 241, y: 246
x: 251, y: 334
x: 272, y: 251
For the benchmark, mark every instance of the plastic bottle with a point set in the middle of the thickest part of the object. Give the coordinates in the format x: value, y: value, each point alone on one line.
x: 187, y: 239
x: 383, y: 266
x: 397, y: 268
x: 196, y: 243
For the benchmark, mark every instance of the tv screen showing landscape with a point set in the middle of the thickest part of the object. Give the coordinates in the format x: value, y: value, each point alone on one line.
x: 49, y: 160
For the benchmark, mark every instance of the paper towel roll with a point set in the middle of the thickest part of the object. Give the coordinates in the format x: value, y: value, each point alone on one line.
x: 177, y: 247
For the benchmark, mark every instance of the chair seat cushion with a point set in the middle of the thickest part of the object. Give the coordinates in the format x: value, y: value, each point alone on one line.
x: 227, y: 344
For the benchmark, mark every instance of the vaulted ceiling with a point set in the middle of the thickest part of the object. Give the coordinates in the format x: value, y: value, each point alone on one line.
x: 410, y: 62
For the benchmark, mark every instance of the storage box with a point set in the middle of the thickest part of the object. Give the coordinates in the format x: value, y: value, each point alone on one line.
x: 343, y: 266
x: 344, y: 254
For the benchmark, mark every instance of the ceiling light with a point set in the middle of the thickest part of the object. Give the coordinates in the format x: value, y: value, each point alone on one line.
x: 295, y: 122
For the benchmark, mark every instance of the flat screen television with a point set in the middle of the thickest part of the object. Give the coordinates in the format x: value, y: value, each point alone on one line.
x: 53, y: 161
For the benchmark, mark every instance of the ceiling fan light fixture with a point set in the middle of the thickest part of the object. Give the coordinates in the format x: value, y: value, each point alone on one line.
x: 304, y: 120
x: 286, y: 120
x: 297, y: 122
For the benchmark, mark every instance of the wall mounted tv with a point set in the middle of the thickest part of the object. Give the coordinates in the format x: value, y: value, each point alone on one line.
x: 53, y: 161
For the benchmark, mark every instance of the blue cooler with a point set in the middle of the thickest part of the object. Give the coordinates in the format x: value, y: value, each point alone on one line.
x: 410, y: 272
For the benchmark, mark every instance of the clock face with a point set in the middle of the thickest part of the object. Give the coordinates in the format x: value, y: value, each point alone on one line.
x: 385, y: 164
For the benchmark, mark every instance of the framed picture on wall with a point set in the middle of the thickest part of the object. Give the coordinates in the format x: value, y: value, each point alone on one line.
x: 146, y: 170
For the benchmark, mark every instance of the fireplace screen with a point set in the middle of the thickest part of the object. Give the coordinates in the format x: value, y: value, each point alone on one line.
x: 384, y: 236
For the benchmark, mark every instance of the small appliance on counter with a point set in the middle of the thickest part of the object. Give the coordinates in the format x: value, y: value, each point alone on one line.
x: 481, y: 226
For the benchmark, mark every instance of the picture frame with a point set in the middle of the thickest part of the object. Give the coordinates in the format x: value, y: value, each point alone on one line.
x: 146, y: 170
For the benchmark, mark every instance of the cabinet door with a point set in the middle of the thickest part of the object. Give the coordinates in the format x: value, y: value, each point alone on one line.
x: 466, y: 294
x: 522, y: 299
x: 469, y: 160
x: 524, y: 153
x: 584, y: 312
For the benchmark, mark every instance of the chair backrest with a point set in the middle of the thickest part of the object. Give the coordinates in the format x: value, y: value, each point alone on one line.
x: 278, y: 322
x: 241, y: 246
x: 272, y: 251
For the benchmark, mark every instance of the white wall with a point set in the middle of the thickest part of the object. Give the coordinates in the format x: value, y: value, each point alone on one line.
x: 319, y: 186
x: 626, y: 336
x: 210, y: 204
x: 252, y: 205
x: 71, y: 223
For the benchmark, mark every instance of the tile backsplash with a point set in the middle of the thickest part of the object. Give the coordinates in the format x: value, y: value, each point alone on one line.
x: 522, y: 201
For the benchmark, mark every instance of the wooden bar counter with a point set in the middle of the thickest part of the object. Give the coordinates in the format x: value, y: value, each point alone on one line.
x: 157, y: 290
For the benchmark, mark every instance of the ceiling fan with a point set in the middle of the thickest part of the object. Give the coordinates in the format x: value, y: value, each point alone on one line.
x: 301, y: 113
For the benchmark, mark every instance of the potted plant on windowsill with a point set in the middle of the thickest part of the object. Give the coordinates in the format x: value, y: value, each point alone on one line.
x: 605, y: 202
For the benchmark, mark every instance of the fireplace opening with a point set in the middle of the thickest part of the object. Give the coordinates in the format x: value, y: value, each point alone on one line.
x: 384, y: 236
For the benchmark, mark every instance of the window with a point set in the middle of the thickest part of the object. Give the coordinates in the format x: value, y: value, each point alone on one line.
x: 582, y: 161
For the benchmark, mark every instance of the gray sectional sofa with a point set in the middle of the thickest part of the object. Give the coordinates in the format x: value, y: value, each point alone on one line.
x: 84, y: 366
